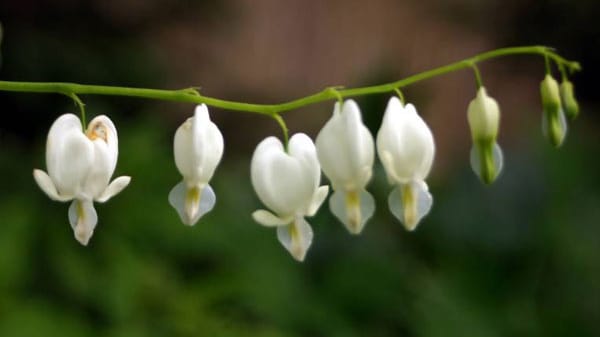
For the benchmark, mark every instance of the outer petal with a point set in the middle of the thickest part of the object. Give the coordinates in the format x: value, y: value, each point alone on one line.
x: 302, y: 148
x: 284, y: 183
x: 198, y: 147
x: 103, y: 131
x: 69, y: 156
x: 115, y: 187
x: 103, y: 134
x: 45, y: 183
x: 345, y: 148
x: 83, y: 220
x: 269, y: 219
x: 296, y: 238
x: 64, y: 125
x: 317, y: 200
x: 408, y: 140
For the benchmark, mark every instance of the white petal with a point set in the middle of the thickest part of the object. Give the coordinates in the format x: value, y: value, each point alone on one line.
x: 198, y: 147
x: 353, y: 208
x: 284, y: 183
x: 497, y: 161
x: 100, y: 171
x: 317, y: 200
x: 296, y: 238
x: 345, y: 147
x: 73, y: 161
x: 302, y: 148
x: 62, y: 126
x: 102, y: 129
x: 115, y: 187
x: 406, y: 137
x: 183, y: 149
x: 192, y: 203
x: 410, y: 203
x: 83, y: 220
x: 269, y: 219
x: 45, y: 183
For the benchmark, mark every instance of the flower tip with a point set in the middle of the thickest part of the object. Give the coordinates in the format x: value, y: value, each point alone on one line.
x: 83, y: 235
x: 487, y: 161
x: 192, y: 203
x: 353, y: 209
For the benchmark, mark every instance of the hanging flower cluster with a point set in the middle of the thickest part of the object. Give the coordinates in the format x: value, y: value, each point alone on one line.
x: 287, y: 176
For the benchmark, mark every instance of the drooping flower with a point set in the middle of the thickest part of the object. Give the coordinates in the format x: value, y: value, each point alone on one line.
x: 288, y: 184
x: 346, y: 151
x: 484, y: 120
x: 80, y: 166
x: 198, y: 148
x: 554, y: 123
x: 406, y: 149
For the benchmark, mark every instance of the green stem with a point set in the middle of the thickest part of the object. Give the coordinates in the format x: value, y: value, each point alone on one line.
x: 284, y: 128
x: 477, y: 76
x: 191, y: 95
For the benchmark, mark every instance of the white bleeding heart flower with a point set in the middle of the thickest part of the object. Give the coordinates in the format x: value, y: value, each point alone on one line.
x: 198, y: 148
x: 406, y: 149
x: 346, y: 151
x: 288, y: 184
x: 80, y: 166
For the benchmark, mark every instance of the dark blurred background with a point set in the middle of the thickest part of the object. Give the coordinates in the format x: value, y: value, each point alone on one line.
x: 519, y: 258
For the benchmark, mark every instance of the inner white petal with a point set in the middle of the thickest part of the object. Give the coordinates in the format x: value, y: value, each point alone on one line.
x: 189, y: 206
x: 296, y: 238
x: 410, y: 203
x: 83, y: 220
x: 352, y: 208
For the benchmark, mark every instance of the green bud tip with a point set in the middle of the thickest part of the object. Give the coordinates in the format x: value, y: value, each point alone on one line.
x: 570, y: 105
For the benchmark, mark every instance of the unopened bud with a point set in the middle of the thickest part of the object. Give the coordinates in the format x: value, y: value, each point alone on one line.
x: 554, y: 124
x: 484, y: 120
x: 570, y: 105
x: 484, y: 116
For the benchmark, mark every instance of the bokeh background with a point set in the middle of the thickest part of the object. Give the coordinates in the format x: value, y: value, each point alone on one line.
x: 519, y: 258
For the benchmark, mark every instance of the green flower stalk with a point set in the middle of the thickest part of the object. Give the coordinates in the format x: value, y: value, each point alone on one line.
x: 554, y: 124
x: 484, y: 121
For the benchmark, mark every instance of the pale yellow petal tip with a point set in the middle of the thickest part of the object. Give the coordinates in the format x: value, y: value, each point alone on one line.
x: 298, y: 253
x: 410, y: 226
x: 83, y: 235
x: 268, y: 219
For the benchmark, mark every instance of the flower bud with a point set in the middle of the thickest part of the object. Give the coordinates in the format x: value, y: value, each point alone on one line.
x: 554, y: 124
x: 484, y: 116
x: 484, y: 120
x: 570, y: 105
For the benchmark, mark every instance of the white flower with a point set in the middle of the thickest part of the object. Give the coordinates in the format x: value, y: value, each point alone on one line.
x: 406, y: 149
x: 79, y: 168
x: 484, y: 120
x: 288, y: 184
x: 346, y: 151
x: 198, y: 148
